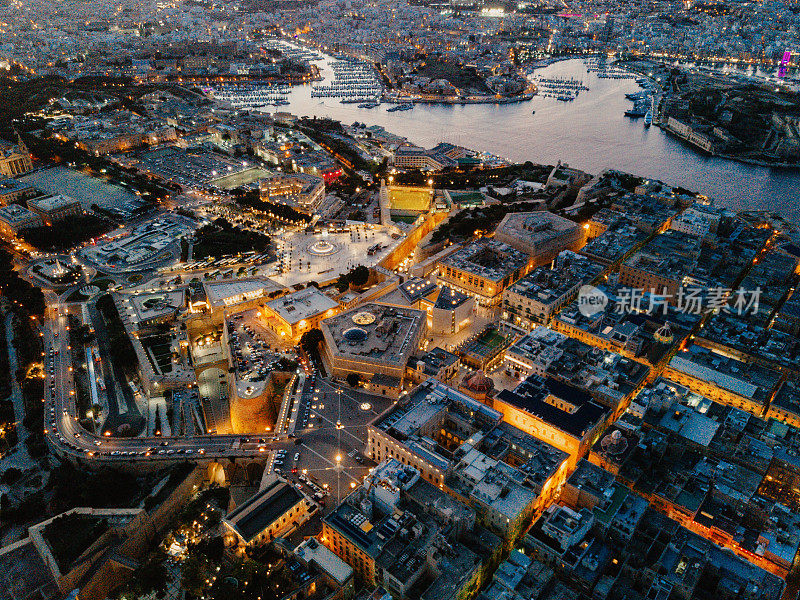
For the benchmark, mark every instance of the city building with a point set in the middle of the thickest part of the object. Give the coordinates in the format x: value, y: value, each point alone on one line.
x: 449, y: 311
x: 541, y: 234
x: 437, y: 158
x: 460, y: 445
x: 538, y: 296
x: 148, y: 311
x: 292, y: 315
x: 337, y: 572
x: 646, y: 335
x: 400, y: 532
x: 724, y: 380
x: 617, y: 511
x: 298, y: 190
x: 14, y: 218
x: 14, y: 190
x: 662, y: 265
x: 373, y: 339
x: 611, y: 379
x: 617, y: 240
x: 15, y: 160
x: 437, y: 363
x: 243, y: 293
x: 483, y: 269
x: 555, y: 412
x: 54, y: 208
x: 275, y: 511
x: 565, y: 538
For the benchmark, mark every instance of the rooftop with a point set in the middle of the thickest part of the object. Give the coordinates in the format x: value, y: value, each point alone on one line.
x: 747, y: 380
x: 14, y: 213
x: 488, y: 259
x: 253, y: 516
x: 672, y: 255
x: 304, y: 304
x: 311, y: 551
x: 50, y: 203
x: 621, y: 237
x: 548, y: 285
x: 375, y: 332
x: 605, y: 374
x: 415, y: 288
x: 228, y: 292
x: 541, y: 397
x: 449, y: 299
x: 535, y: 232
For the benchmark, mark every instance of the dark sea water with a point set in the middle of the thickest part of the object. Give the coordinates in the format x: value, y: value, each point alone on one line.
x: 590, y: 133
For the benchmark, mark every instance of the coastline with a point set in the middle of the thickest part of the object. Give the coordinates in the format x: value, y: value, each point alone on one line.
x: 741, y: 159
x: 524, y: 97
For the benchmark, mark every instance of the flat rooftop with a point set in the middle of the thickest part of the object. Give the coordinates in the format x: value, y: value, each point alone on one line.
x: 426, y: 401
x: 746, y: 380
x: 50, y: 203
x: 673, y: 255
x: 152, y: 305
x: 619, y: 239
x: 375, y: 332
x: 311, y: 551
x: 233, y: 291
x: 488, y: 259
x: 14, y: 213
x: 416, y: 288
x: 301, y: 305
x: 450, y: 299
x: 546, y: 285
x: 535, y: 228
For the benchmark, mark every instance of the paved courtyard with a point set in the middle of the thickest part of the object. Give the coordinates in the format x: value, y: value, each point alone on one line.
x: 324, y: 256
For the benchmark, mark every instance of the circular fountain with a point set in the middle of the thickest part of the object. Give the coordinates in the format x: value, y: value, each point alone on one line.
x: 322, y: 248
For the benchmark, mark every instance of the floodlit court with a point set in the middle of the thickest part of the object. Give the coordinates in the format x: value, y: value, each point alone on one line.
x: 487, y: 342
x: 235, y: 180
x: 410, y: 199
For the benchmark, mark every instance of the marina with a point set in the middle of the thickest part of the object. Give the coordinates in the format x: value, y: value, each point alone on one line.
x: 590, y: 133
x: 353, y: 82
x: 561, y: 88
x: 251, y: 95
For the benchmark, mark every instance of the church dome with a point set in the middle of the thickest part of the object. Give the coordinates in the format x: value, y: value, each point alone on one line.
x: 664, y: 334
x: 478, y: 382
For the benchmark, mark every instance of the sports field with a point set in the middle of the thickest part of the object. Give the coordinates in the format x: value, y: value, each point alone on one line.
x: 412, y: 199
x: 234, y: 180
x: 487, y: 343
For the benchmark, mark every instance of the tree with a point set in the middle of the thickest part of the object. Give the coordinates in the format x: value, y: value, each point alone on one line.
x: 311, y: 339
x: 359, y: 276
x: 11, y: 476
x: 353, y: 379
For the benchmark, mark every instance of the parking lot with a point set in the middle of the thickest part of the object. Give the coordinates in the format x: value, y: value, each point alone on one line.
x: 326, y: 458
x: 250, y: 351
